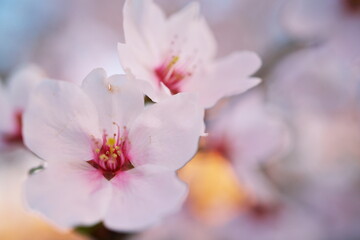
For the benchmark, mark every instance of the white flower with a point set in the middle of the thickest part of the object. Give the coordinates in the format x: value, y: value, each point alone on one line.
x: 177, y: 54
x: 13, y: 101
x: 109, y: 158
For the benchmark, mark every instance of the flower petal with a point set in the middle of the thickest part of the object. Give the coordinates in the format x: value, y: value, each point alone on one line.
x: 230, y: 76
x: 60, y: 121
x: 21, y: 83
x: 167, y: 133
x: 311, y: 19
x: 142, y: 196
x: 144, y: 29
x: 68, y: 194
x: 192, y: 35
x: 116, y: 98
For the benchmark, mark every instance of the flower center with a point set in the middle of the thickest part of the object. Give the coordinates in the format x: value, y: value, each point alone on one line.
x: 16, y: 136
x: 171, y: 75
x: 111, y: 155
x: 352, y: 6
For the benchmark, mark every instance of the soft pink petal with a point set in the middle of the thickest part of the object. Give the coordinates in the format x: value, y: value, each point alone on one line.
x: 116, y: 98
x: 167, y: 133
x: 254, y: 130
x: 180, y: 21
x: 191, y: 35
x: 254, y: 135
x: 143, y: 196
x: 144, y: 29
x: 148, y: 82
x: 230, y: 76
x: 309, y: 19
x: 60, y: 121
x: 68, y: 194
x: 21, y: 83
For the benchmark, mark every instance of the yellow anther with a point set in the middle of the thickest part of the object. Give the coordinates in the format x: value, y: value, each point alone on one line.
x: 173, y: 61
x: 97, y: 150
x: 103, y: 157
x: 110, y: 87
x: 111, y: 141
x: 114, y: 155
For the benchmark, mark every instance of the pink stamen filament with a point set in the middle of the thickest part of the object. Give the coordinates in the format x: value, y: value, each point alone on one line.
x: 171, y: 75
x: 112, y: 155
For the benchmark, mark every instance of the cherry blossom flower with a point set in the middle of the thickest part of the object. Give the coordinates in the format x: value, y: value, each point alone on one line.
x: 109, y: 158
x: 177, y: 54
x: 250, y: 135
x: 299, y: 83
x: 13, y: 100
x: 320, y: 18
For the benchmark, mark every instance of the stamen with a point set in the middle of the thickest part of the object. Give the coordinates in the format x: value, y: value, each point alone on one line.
x: 112, y: 156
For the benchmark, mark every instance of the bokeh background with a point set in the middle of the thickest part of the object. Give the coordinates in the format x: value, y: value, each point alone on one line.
x: 308, y: 189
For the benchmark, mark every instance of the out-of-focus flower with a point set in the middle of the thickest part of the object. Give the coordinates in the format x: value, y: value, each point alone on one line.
x: 227, y: 177
x: 177, y: 55
x: 316, y: 80
x: 108, y: 158
x: 13, y: 101
x: 241, y: 24
x: 249, y: 134
x: 326, y: 166
x: 320, y: 18
x: 215, y: 196
x: 81, y: 43
x: 288, y: 221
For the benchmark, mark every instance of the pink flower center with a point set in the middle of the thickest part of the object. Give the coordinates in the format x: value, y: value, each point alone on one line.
x: 111, y: 155
x: 352, y: 6
x: 171, y: 75
x: 16, y: 136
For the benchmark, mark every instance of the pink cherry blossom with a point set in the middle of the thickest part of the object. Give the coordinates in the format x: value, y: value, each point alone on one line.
x: 320, y: 18
x: 13, y: 100
x: 299, y: 82
x: 109, y: 158
x: 250, y: 134
x: 177, y: 54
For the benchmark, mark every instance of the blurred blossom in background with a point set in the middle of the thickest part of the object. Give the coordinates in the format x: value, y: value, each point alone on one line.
x: 281, y: 161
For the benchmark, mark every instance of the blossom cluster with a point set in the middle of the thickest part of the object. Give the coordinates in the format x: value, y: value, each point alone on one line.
x: 169, y: 132
x: 107, y: 155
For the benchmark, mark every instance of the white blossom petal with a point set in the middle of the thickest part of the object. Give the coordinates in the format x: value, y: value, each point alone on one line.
x: 21, y: 83
x: 116, y: 98
x: 144, y: 28
x: 192, y: 35
x: 167, y: 133
x: 60, y: 121
x: 69, y: 194
x: 142, y: 196
x: 230, y: 76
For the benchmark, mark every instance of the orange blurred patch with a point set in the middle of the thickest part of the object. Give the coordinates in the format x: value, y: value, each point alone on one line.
x: 215, y: 194
x: 16, y: 222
